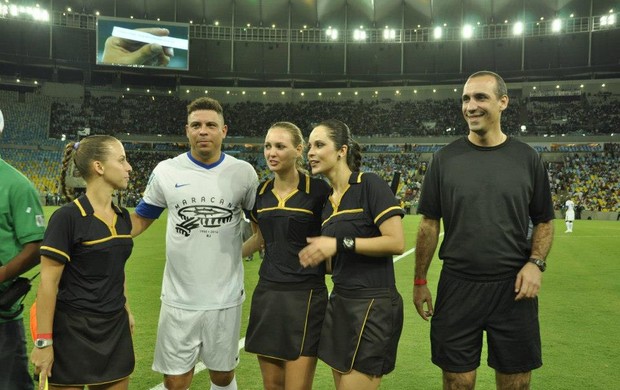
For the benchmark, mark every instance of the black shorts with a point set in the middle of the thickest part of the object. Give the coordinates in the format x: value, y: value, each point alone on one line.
x: 91, y: 349
x: 285, y: 324
x: 465, y: 308
x: 361, y: 330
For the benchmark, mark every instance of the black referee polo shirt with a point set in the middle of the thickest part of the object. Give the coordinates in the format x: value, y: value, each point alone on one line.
x: 94, y: 255
x: 285, y: 224
x: 363, y: 207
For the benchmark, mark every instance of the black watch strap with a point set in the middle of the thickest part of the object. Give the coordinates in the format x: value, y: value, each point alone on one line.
x: 541, y: 264
x: 345, y: 244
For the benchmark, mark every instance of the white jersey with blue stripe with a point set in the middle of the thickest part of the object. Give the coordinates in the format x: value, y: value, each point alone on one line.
x: 205, y: 206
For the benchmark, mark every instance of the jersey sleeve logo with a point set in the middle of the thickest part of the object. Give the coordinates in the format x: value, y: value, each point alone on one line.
x: 40, y: 220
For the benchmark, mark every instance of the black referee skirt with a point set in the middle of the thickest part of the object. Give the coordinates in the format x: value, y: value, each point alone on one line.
x: 285, y: 324
x: 91, y: 349
x: 361, y: 330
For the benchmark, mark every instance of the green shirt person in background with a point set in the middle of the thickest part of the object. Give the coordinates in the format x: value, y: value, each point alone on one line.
x: 21, y: 230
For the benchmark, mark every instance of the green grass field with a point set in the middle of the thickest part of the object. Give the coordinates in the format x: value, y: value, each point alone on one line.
x: 579, y: 315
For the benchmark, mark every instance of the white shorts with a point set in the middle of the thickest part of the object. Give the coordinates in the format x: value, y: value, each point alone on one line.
x: 570, y: 215
x: 184, y: 336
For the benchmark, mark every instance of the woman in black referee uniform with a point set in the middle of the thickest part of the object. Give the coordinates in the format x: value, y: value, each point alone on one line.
x: 361, y: 230
x: 83, y: 322
x: 288, y: 304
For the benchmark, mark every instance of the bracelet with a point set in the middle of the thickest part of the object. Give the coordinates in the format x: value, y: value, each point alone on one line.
x: 419, y: 282
x: 47, y: 336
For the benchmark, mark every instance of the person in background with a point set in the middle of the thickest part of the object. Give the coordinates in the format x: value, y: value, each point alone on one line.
x: 486, y: 187
x: 569, y: 218
x: 84, y: 325
x: 361, y: 231
x: 289, y: 301
x: 206, y: 192
x: 21, y: 230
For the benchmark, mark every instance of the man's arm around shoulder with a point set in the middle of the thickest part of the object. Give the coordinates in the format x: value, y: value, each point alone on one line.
x: 139, y: 224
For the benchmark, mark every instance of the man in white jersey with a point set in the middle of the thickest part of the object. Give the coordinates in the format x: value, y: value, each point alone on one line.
x: 205, y: 192
x: 570, y: 215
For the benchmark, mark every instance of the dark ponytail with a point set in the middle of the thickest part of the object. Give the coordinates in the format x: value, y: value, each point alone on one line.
x: 67, y: 159
x: 82, y: 154
x: 341, y: 135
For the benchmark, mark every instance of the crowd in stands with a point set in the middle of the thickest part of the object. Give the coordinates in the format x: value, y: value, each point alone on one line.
x: 165, y: 115
x: 591, y: 180
x: 587, y: 173
x: 26, y: 119
x: 133, y: 114
x: 594, y: 115
x: 31, y: 116
x: 42, y: 167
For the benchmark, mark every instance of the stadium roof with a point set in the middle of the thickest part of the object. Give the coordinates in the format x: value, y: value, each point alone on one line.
x: 231, y: 44
x: 331, y: 12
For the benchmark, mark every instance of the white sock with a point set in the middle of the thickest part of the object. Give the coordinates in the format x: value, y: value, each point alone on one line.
x: 567, y: 225
x: 231, y: 386
x: 570, y: 224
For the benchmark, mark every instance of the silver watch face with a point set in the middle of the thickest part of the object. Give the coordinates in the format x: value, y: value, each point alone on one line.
x: 348, y: 242
x: 42, y: 343
x: 542, y: 265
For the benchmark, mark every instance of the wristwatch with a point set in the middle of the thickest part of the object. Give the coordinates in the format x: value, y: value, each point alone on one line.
x: 349, y: 244
x: 42, y: 343
x: 541, y: 264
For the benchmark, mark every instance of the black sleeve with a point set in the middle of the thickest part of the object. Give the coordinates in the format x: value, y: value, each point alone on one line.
x: 541, y: 206
x: 430, y: 205
x: 382, y: 203
x: 58, y: 239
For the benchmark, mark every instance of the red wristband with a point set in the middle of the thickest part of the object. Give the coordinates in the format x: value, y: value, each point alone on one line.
x: 419, y: 282
x: 47, y: 336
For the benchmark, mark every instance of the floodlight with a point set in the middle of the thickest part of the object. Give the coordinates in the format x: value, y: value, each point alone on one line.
x: 437, y: 32
x: 517, y: 28
x: 332, y: 33
x: 608, y: 20
x: 468, y: 31
x: 389, y: 34
x: 359, y: 35
x: 556, y: 25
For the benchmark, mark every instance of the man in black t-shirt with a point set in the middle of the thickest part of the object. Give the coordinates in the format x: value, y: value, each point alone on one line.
x: 486, y: 187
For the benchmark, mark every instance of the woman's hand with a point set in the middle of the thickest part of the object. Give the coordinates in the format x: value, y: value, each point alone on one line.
x: 317, y: 250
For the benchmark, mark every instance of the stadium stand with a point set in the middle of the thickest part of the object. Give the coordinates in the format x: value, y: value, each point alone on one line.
x: 588, y: 172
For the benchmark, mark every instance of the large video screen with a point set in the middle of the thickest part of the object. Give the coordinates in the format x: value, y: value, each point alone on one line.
x: 142, y: 43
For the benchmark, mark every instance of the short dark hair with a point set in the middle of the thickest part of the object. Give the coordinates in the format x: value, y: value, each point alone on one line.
x: 205, y: 103
x: 500, y: 84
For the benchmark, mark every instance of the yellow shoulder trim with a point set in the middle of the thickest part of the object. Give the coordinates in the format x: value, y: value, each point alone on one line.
x: 59, y: 252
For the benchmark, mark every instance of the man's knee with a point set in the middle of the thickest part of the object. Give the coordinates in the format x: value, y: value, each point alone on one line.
x: 518, y: 381
x: 459, y: 380
x: 178, y: 382
x: 221, y: 378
